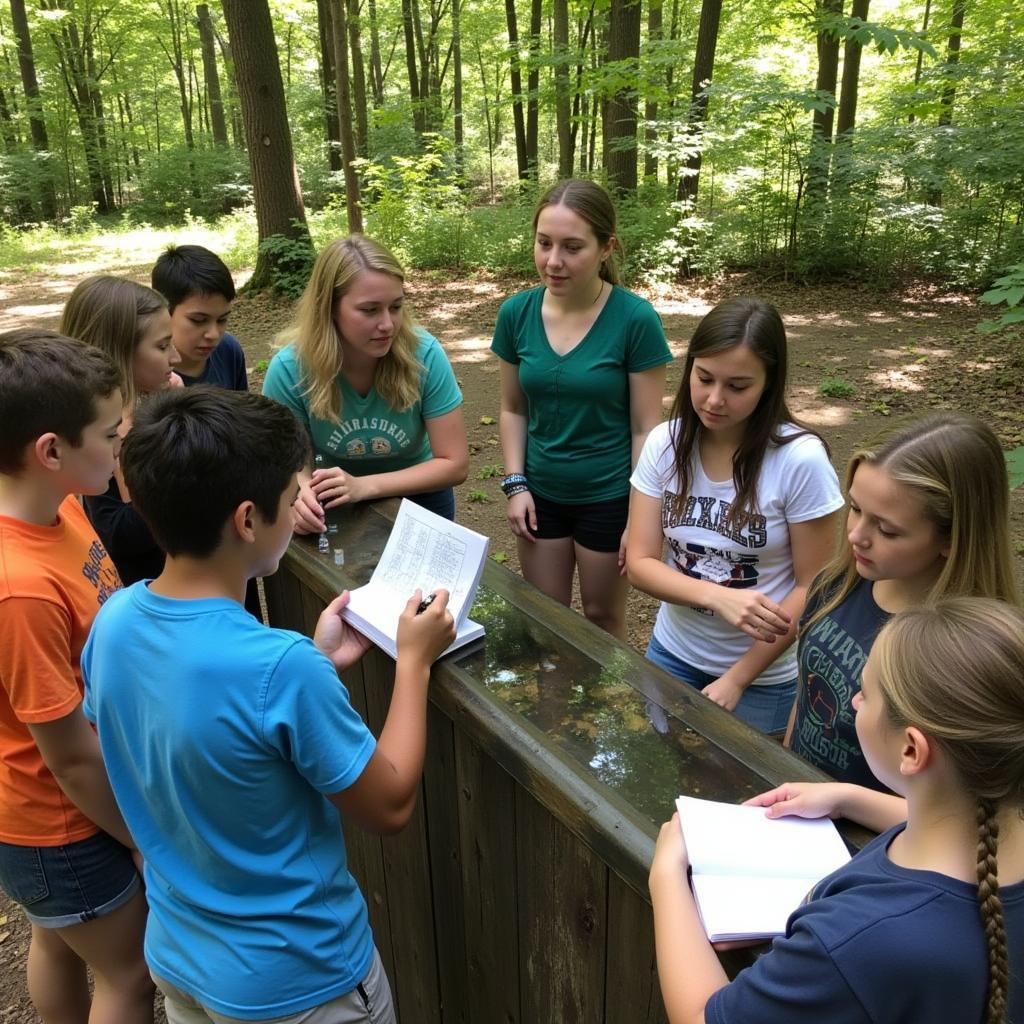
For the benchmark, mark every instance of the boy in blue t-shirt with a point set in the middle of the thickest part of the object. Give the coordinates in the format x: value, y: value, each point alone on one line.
x: 199, y: 291
x: 232, y: 747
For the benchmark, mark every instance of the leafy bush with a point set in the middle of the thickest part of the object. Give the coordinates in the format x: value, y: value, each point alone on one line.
x: 831, y: 387
x: 204, y: 182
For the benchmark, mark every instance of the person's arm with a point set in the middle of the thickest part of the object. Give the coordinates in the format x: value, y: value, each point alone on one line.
x: 382, y: 798
x: 688, y: 968
x: 868, y: 807
x: 812, y: 544
x: 448, y: 467
x: 71, y: 750
x: 748, y: 610
x: 521, y: 512
x: 646, y: 390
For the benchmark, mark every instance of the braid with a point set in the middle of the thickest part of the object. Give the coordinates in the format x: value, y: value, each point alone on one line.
x: 991, y: 907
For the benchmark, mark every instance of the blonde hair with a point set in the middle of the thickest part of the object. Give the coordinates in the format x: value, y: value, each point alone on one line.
x: 113, y: 314
x: 954, y: 671
x: 955, y: 466
x: 317, y: 342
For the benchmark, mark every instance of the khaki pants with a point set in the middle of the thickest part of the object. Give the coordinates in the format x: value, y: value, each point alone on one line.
x: 368, y: 1003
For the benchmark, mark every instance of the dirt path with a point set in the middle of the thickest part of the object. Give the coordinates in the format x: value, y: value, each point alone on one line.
x: 892, y: 355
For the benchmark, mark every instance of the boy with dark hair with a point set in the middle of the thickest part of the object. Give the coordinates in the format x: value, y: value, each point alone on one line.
x: 232, y: 746
x: 199, y: 292
x: 60, y: 407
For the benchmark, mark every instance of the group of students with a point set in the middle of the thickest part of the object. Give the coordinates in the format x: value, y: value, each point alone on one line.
x: 162, y: 728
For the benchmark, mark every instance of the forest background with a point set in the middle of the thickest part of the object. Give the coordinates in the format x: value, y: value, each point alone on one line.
x: 866, y: 140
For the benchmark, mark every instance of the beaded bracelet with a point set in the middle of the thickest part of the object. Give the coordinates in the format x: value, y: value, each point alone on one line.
x: 511, y: 481
x: 516, y: 489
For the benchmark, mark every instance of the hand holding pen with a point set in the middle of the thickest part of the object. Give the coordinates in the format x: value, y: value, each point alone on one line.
x: 425, y: 628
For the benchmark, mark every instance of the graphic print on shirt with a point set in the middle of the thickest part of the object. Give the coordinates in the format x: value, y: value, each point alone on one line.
x: 834, y: 660
x: 367, y: 435
x: 100, y: 572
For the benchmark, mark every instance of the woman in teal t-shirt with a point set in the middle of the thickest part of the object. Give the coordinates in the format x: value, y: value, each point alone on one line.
x: 375, y: 393
x: 582, y: 378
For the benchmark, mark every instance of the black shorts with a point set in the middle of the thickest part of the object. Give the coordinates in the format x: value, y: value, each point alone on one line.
x: 596, y: 525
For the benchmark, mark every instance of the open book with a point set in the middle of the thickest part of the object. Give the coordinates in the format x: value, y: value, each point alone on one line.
x: 749, y: 872
x: 426, y: 551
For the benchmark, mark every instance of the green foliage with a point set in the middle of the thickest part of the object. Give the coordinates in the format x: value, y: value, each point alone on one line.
x: 832, y: 387
x: 1015, y: 467
x: 1008, y: 289
x: 478, y: 497
x: 292, y: 262
x: 204, y: 183
x: 489, y: 472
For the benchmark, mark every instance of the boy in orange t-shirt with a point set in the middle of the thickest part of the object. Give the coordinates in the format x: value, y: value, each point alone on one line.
x: 65, y: 853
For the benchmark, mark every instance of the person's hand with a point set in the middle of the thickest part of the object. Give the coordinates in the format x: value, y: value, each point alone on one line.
x: 425, y: 636
x: 724, y: 692
x: 522, y: 515
x: 622, y: 551
x: 671, y: 861
x: 801, y: 800
x: 751, y: 612
x: 333, y: 487
x: 174, y: 381
x: 334, y: 637
x: 307, y: 516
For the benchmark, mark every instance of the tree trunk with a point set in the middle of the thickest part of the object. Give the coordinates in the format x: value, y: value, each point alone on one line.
x: 33, y: 105
x: 563, y: 128
x: 956, y: 25
x: 415, y: 92
x: 703, y: 71
x: 621, y: 112
x: 822, y: 121
x: 218, y: 124
x: 654, y: 32
x: 279, y: 210
x: 376, y: 75
x: 176, y: 58
x: 358, y: 77
x: 348, y: 143
x: 532, y: 84
x: 325, y: 23
x: 460, y: 155
x: 522, y: 165
x: 579, y: 103
x: 846, y: 117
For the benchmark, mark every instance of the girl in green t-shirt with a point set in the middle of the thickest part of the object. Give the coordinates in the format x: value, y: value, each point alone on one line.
x: 376, y: 394
x: 582, y: 377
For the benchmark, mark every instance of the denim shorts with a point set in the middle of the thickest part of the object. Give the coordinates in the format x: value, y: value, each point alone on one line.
x: 765, y: 708
x: 441, y: 503
x: 596, y: 525
x: 60, y: 886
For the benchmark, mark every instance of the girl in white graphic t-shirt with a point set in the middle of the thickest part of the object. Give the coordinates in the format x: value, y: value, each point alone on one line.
x: 746, y: 499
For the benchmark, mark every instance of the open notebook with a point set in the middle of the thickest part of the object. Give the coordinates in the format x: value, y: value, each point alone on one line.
x: 749, y: 872
x: 426, y: 551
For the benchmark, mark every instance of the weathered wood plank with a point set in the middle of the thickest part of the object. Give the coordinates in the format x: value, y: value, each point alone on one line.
x: 632, y: 995
x: 563, y: 900
x: 486, y: 796
x: 441, y: 808
x: 407, y: 875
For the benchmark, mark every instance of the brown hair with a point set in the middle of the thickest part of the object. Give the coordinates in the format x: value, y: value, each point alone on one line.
x: 953, y: 463
x: 48, y: 383
x: 593, y: 204
x: 954, y: 671
x: 757, y: 325
x: 113, y: 314
x: 316, y: 339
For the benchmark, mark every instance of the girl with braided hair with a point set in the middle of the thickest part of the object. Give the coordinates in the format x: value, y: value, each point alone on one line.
x: 926, y: 923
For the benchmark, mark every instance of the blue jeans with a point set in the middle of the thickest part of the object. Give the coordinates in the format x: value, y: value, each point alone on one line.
x: 765, y: 708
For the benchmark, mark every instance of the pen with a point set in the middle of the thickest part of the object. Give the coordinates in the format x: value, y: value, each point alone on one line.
x: 425, y: 603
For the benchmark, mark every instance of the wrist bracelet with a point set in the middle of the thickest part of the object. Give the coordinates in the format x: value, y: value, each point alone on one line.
x: 516, y: 489
x: 513, y: 480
